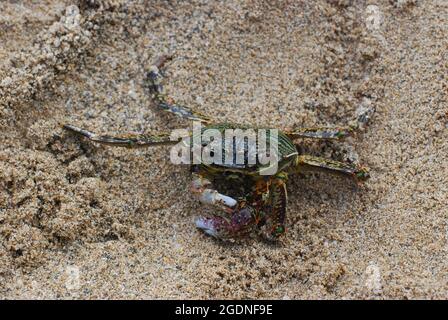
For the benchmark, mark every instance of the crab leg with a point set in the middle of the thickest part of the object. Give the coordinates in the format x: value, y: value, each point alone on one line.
x: 306, y: 163
x: 362, y: 118
x: 163, y: 101
x: 321, y: 132
x: 128, y: 141
x: 275, y: 209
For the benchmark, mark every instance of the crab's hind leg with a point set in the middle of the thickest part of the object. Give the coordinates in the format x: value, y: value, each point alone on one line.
x: 311, y: 163
x: 154, y: 78
x: 237, y: 218
x: 321, y: 132
x: 362, y: 118
x: 128, y: 140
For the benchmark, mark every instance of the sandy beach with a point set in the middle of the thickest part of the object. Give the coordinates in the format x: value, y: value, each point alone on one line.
x: 80, y: 220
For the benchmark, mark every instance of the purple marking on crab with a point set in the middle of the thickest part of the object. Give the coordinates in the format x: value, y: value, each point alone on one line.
x: 208, y: 225
x: 238, y: 224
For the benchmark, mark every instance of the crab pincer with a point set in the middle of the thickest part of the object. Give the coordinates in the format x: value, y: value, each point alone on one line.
x: 238, y: 224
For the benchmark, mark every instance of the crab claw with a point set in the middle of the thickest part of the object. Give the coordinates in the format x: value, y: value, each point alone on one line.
x: 210, y: 226
x: 240, y: 223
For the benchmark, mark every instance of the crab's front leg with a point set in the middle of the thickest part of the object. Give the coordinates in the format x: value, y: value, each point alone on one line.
x: 202, y: 189
x: 238, y: 218
x: 238, y: 224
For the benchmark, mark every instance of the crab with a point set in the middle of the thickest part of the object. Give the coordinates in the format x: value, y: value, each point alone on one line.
x: 262, y: 205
